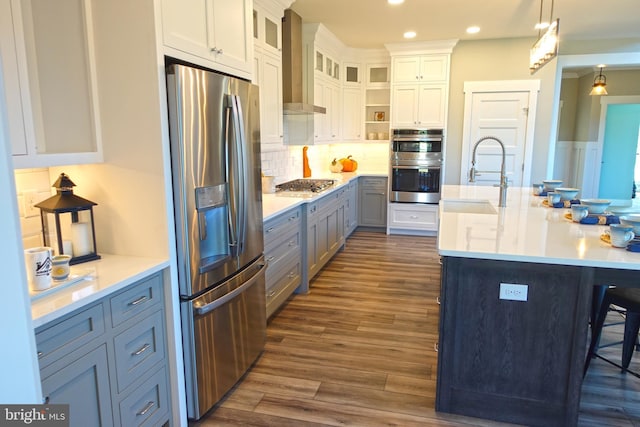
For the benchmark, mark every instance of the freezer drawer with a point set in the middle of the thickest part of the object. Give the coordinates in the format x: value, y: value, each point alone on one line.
x: 228, y: 327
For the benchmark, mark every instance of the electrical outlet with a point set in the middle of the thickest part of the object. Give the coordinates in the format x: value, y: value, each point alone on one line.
x: 513, y: 292
x: 29, y: 200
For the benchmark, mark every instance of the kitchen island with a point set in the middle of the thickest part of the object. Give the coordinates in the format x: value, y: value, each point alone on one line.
x: 516, y: 295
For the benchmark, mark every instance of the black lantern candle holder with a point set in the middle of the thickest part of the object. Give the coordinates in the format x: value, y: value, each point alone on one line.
x: 72, y: 218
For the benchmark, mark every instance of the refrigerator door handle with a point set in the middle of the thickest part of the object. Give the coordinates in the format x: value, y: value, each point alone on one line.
x: 240, y: 196
x: 204, y: 309
x: 231, y: 181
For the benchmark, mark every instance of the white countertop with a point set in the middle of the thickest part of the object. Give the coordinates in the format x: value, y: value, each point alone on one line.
x: 276, y: 203
x: 525, y: 230
x: 107, y: 275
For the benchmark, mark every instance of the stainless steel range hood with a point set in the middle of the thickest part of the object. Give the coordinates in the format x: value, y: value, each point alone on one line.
x: 295, y: 96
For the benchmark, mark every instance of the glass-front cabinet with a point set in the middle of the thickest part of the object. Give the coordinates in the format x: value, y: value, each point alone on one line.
x: 267, y: 27
x: 352, y: 74
x: 378, y: 74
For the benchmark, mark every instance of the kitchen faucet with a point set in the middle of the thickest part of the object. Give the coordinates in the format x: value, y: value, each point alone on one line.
x: 503, y: 177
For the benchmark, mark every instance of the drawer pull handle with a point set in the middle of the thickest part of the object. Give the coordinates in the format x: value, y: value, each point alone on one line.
x: 292, y: 218
x: 438, y: 300
x: 141, y: 350
x: 40, y: 354
x: 414, y: 217
x: 270, y: 230
x: 146, y: 409
x: 292, y: 242
x: 292, y: 275
x: 435, y: 347
x: 138, y: 301
x: 272, y: 293
x: 271, y: 258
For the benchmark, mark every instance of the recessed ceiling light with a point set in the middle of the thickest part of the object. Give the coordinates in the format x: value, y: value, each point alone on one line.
x: 395, y: 1
x: 473, y: 30
x: 409, y: 34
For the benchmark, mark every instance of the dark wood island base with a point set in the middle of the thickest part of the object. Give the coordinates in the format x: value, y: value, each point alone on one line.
x: 511, y: 360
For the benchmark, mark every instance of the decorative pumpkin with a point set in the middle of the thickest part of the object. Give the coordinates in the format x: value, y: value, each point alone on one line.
x: 336, y: 167
x: 349, y: 164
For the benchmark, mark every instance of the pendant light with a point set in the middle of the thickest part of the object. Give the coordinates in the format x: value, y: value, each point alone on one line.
x: 599, y: 84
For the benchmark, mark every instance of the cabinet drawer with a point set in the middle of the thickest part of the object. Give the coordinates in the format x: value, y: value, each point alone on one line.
x: 148, y: 404
x: 373, y: 183
x: 329, y: 201
x: 288, y: 245
x: 69, y: 334
x: 425, y: 218
x: 275, y: 227
x: 138, y: 349
x: 136, y: 299
x: 286, y: 268
x: 283, y: 285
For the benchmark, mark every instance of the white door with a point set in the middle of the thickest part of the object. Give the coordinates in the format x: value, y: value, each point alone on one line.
x: 506, y: 111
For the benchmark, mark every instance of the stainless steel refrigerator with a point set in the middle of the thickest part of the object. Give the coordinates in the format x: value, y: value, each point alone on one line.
x: 215, y: 153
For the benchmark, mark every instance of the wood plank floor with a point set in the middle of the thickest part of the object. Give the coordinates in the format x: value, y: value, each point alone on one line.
x: 358, y: 350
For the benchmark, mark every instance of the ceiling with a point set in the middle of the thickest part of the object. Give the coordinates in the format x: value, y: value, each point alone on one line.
x: 371, y: 23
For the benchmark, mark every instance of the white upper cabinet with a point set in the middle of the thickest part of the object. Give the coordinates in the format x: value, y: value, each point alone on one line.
x: 10, y: 98
x: 352, y: 114
x: 213, y: 33
x: 55, y: 118
x: 420, y: 84
x: 352, y: 75
x: 419, y: 106
x: 267, y: 72
x: 268, y: 76
x: 424, y: 68
x: 267, y: 26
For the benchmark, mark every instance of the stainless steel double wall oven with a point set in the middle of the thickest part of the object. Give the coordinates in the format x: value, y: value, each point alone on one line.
x: 416, y: 164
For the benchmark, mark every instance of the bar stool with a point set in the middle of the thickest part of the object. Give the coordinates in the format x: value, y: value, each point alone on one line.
x: 629, y: 299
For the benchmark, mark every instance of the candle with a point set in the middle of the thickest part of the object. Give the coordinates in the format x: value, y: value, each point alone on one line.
x: 67, y: 247
x: 81, y: 239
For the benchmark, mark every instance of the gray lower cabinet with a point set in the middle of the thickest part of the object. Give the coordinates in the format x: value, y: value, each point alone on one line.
x: 373, y: 202
x: 283, y: 253
x: 84, y: 385
x: 325, y: 230
x: 351, y: 208
x: 108, y: 360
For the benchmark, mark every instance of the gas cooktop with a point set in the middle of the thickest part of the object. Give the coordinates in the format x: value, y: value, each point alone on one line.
x: 306, y: 185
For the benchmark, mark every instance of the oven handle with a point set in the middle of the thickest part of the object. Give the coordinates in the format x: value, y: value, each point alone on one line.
x: 438, y: 166
x: 413, y: 139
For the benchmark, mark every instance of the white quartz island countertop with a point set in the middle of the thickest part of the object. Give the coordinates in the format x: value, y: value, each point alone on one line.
x: 525, y: 230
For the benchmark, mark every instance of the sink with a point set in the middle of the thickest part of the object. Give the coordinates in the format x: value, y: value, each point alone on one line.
x: 468, y: 206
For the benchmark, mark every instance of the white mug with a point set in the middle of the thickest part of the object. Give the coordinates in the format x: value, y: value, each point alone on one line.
x: 578, y: 212
x: 620, y: 235
x: 38, y: 263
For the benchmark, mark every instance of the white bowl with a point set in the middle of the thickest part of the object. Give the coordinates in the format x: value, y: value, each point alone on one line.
x: 632, y: 220
x: 567, y: 193
x: 551, y: 184
x: 596, y: 206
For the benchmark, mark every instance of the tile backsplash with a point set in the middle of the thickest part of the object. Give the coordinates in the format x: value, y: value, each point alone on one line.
x: 286, y: 164
x: 32, y: 186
